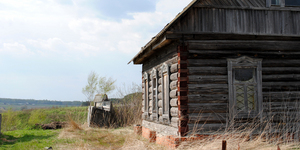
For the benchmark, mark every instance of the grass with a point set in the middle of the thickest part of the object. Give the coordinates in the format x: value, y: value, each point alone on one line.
x: 26, y: 119
x: 28, y: 139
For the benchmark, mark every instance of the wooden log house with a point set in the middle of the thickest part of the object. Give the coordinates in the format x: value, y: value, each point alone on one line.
x: 221, y: 62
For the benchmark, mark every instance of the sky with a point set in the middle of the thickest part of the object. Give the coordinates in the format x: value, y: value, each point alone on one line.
x: 49, y: 47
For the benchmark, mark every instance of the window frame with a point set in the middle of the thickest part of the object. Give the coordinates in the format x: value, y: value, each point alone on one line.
x: 165, y: 93
x: 154, y: 76
x: 146, y: 96
x: 244, y: 62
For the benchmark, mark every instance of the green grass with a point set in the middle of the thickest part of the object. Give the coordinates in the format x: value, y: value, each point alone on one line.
x: 26, y: 119
x: 29, y: 139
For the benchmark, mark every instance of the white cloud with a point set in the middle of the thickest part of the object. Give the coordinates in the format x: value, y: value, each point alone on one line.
x: 16, y: 49
x: 53, y: 36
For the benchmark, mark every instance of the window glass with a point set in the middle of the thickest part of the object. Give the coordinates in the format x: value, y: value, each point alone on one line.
x: 244, y: 74
x: 292, y: 2
x: 275, y: 2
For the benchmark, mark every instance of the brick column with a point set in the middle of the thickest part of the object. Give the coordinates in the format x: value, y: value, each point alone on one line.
x: 182, y: 53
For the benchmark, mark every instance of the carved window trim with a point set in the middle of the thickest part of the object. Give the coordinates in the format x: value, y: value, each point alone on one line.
x: 146, y: 96
x: 154, y: 80
x: 165, y: 75
x: 243, y: 63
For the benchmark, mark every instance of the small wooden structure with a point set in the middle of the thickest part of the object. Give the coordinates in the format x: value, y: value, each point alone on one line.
x: 223, y: 62
x: 100, y: 115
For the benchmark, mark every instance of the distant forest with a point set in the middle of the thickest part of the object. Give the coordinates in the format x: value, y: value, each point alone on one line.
x: 19, y: 104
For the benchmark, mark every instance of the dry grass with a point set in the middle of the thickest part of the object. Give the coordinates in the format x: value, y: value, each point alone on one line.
x: 85, y: 138
x: 234, y: 144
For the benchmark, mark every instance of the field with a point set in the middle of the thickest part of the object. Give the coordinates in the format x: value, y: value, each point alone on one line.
x: 20, y: 133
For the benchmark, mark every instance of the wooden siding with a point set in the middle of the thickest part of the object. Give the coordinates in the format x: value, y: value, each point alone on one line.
x: 208, y: 82
x: 239, y: 21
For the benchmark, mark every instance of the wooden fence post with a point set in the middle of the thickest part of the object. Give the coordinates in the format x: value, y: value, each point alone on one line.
x: 224, y: 145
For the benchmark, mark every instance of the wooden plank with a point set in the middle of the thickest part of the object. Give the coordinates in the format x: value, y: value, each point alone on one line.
x: 207, y: 70
x: 207, y: 117
x: 207, y: 62
x: 208, y: 88
x: 280, y: 70
x: 206, y: 128
x: 280, y: 77
x: 281, y: 96
x: 205, y: 79
x: 207, y: 108
x: 239, y: 45
x: 208, y: 98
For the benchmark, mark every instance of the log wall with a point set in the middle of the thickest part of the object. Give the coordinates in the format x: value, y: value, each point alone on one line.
x: 208, y: 82
x: 167, y: 55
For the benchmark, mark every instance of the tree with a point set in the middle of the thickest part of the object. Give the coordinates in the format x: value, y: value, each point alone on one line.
x: 106, y: 85
x: 90, y: 89
x: 101, y: 85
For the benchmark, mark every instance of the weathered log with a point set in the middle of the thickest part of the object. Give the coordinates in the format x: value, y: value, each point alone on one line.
x: 151, y: 103
x: 174, y: 102
x: 160, y: 103
x: 173, y: 85
x: 160, y: 88
x: 150, y: 89
x: 150, y: 96
x: 175, y: 122
x: 174, y: 76
x: 160, y: 111
x: 174, y: 112
x: 174, y: 94
x: 159, y: 96
x: 208, y: 108
x: 174, y: 68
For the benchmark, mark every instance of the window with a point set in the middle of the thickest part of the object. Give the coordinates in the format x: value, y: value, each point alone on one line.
x: 146, y: 96
x: 154, y: 95
x: 245, y: 87
x: 165, y: 74
x: 292, y: 2
x: 282, y: 3
x: 275, y: 2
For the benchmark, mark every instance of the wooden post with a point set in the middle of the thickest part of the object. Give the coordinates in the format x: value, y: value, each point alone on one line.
x: 224, y: 145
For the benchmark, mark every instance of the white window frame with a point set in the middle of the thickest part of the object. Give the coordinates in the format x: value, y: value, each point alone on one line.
x: 165, y: 72
x: 244, y: 62
x: 154, y: 80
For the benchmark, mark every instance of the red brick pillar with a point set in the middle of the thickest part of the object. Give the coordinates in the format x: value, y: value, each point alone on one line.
x: 183, y: 90
x: 148, y: 134
x: 138, y: 129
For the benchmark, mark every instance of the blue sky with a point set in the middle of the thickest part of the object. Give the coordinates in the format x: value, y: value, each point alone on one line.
x: 48, y: 47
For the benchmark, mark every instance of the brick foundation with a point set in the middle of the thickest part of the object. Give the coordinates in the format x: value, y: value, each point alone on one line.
x: 148, y: 134
x: 168, y: 141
